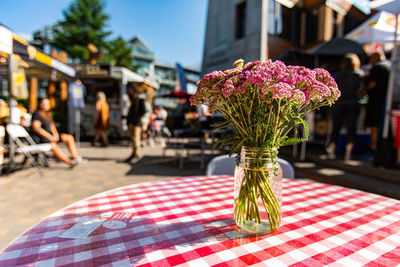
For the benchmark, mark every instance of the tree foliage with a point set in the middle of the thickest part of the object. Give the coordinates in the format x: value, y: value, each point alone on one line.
x: 84, y: 22
x: 119, y: 52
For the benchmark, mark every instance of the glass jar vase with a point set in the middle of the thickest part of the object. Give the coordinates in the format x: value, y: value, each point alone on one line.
x: 258, y: 190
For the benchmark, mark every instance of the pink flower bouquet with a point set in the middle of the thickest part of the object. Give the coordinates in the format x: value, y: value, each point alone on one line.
x: 263, y: 101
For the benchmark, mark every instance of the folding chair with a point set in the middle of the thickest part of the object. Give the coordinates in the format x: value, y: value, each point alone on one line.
x: 287, y: 169
x: 16, y: 132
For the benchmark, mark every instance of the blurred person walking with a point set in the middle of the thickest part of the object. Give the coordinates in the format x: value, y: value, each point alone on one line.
x: 146, y: 119
x: 205, y: 121
x: 376, y: 88
x: 101, y: 119
x: 345, y: 111
x: 135, y: 114
x: 162, y: 115
x: 45, y: 131
x: 204, y: 116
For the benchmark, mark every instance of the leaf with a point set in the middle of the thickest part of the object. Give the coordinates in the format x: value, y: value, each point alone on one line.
x: 290, y: 141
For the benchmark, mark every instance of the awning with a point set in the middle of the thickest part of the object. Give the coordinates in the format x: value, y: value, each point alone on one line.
x: 340, y: 6
x: 11, y: 43
x: 127, y: 76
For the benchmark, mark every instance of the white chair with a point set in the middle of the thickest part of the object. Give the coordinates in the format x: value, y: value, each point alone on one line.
x: 221, y: 165
x: 16, y: 132
x: 287, y: 169
x: 225, y: 165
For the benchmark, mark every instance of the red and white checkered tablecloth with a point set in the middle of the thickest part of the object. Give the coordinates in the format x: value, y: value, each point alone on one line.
x: 189, y: 222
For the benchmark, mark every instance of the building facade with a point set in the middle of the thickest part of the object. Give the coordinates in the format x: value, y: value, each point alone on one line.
x: 233, y: 31
x: 259, y: 29
x: 146, y: 64
x: 143, y: 56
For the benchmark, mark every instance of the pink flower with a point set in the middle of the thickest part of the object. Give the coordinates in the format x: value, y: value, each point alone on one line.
x: 281, y: 91
x: 272, y: 80
x: 298, y: 96
x: 228, y: 87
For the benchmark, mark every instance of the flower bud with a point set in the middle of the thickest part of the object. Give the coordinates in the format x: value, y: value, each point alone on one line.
x: 238, y: 63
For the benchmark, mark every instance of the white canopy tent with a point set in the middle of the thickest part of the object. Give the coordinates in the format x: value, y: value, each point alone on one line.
x: 129, y: 76
x: 379, y: 29
x: 392, y: 6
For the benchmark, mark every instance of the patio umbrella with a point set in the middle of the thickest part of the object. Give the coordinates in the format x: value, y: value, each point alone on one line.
x: 177, y: 94
x: 338, y: 47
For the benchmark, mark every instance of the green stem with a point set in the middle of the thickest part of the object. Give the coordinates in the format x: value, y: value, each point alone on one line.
x: 236, y: 124
x: 277, y: 121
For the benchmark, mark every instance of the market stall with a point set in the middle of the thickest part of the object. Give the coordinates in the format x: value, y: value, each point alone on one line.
x: 113, y: 81
x: 18, y: 59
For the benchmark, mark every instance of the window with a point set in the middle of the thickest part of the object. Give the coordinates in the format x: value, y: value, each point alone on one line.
x: 311, y: 26
x: 274, y: 18
x: 240, y: 31
x: 291, y: 24
x: 350, y: 23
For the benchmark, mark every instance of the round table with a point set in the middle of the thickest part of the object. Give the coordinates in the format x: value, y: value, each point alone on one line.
x: 189, y: 221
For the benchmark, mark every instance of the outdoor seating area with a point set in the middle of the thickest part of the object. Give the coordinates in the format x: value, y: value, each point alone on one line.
x: 189, y: 147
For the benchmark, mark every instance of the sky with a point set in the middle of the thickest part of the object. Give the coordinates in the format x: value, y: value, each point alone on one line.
x: 173, y: 29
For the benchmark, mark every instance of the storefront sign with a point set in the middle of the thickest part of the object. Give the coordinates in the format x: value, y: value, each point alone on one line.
x: 88, y: 70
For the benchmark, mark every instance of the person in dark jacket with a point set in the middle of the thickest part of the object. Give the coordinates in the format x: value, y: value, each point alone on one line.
x: 350, y: 81
x: 135, y: 114
x: 377, y: 85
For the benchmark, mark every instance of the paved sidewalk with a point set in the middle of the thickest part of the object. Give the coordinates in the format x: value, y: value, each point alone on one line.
x: 357, y: 173
x: 26, y: 197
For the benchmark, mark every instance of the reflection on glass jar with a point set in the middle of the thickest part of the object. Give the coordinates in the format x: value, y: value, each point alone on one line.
x: 258, y: 190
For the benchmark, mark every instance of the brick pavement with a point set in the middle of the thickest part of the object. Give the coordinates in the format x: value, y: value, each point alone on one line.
x: 26, y: 197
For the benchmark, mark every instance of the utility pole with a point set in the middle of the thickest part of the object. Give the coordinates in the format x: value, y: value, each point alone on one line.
x: 10, y: 105
x: 264, y: 30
